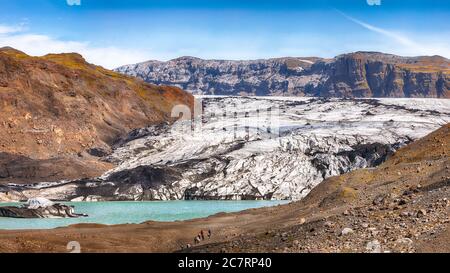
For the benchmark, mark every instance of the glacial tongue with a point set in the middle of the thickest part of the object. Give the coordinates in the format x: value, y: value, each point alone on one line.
x: 256, y: 148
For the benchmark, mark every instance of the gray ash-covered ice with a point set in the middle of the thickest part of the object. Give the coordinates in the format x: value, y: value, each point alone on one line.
x: 255, y: 148
x: 270, y: 148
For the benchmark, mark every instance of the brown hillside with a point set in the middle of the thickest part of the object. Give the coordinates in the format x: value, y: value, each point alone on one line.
x: 60, y: 105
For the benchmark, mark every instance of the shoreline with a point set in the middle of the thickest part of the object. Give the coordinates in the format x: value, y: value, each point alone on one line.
x: 175, y: 234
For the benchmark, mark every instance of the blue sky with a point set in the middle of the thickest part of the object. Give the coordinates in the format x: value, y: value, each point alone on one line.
x: 112, y: 32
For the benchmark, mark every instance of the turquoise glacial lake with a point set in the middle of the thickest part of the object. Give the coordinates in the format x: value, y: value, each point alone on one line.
x: 112, y: 213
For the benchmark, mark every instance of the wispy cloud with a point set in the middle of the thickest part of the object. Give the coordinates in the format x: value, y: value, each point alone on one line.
x: 408, y: 45
x: 38, y: 44
x: 397, y: 37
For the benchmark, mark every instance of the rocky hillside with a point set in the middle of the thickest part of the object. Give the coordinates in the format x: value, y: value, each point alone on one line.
x: 361, y: 74
x: 58, y: 113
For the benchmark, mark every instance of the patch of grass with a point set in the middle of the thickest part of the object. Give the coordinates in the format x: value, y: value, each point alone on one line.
x: 421, y: 68
x: 348, y: 193
x: 70, y: 60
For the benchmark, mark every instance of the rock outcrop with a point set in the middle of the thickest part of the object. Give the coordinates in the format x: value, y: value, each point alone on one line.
x: 361, y: 74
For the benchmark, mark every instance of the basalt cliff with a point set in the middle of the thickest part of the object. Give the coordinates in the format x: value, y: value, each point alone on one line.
x: 360, y: 74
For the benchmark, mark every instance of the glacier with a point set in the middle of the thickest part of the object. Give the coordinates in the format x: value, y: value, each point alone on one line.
x: 254, y: 148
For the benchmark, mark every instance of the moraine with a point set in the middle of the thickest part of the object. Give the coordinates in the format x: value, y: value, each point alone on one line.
x: 252, y: 148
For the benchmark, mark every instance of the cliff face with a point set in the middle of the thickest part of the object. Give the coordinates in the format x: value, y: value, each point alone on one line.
x: 59, y: 105
x: 381, y: 75
x: 219, y: 77
x: 361, y: 74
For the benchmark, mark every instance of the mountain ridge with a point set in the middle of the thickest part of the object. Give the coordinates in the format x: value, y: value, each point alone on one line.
x: 357, y: 74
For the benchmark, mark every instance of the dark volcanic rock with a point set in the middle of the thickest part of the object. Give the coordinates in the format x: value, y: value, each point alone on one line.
x: 54, y: 211
x: 22, y: 169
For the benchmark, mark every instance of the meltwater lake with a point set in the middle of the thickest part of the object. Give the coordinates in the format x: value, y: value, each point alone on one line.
x: 112, y: 213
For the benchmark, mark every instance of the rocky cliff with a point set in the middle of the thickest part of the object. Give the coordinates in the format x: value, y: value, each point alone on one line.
x: 60, y: 113
x: 361, y: 74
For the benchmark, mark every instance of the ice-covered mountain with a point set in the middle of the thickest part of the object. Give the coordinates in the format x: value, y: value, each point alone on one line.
x: 361, y: 74
x: 253, y: 148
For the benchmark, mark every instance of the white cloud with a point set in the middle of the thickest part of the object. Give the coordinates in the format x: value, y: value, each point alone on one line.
x: 38, y: 45
x: 9, y: 29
